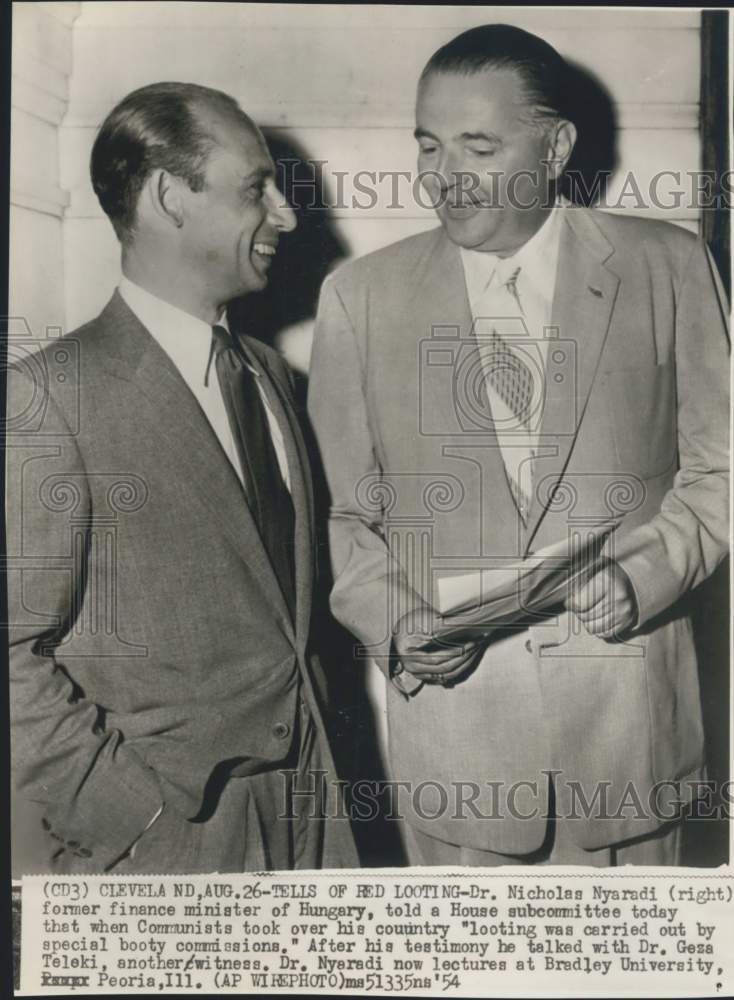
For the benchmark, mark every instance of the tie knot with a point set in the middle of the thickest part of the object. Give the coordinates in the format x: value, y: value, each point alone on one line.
x: 221, y: 342
x: 507, y: 274
x: 221, y: 339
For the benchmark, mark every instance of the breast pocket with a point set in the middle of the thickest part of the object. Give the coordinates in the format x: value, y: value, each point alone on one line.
x: 641, y: 407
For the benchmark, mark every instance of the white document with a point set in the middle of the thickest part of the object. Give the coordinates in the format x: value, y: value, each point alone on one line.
x: 472, y: 604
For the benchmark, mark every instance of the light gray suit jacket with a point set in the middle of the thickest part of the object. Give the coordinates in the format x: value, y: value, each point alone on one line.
x: 634, y: 425
x: 152, y: 652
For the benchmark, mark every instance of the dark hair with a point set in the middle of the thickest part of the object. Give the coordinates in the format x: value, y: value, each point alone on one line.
x: 156, y: 127
x: 503, y: 46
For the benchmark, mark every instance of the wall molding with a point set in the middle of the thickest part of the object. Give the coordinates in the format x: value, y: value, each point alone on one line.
x: 42, y: 63
x: 39, y: 103
x: 198, y: 13
x: 65, y: 11
x: 316, y: 115
x: 51, y: 201
x: 40, y: 34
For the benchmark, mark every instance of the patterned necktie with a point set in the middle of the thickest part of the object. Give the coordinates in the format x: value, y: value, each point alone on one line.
x: 505, y: 369
x: 509, y: 375
x: 267, y: 495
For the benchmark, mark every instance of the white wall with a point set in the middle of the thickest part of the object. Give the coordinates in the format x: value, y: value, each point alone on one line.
x: 39, y: 93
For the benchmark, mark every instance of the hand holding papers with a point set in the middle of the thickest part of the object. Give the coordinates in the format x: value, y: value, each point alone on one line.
x: 470, y: 606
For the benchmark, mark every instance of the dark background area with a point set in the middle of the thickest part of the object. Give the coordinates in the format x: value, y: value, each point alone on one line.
x: 707, y: 840
x: 8, y: 957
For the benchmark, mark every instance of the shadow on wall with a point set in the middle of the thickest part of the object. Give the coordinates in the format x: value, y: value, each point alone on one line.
x: 594, y: 159
x: 706, y: 840
x: 304, y: 256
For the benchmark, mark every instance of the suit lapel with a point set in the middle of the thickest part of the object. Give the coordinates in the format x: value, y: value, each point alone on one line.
x: 187, y: 441
x: 582, y: 308
x: 441, y: 309
x: 300, y: 483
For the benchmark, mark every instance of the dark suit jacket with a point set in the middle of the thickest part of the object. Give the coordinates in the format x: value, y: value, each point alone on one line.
x: 152, y: 651
x: 634, y: 425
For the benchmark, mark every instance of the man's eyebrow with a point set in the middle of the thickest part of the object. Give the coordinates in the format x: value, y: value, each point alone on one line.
x: 421, y: 133
x: 260, y: 174
x: 481, y: 137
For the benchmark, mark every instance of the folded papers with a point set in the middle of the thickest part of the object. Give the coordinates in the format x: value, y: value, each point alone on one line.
x: 471, y: 606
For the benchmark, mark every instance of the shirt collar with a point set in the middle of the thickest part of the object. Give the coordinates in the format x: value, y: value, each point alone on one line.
x: 186, y: 339
x: 538, y: 259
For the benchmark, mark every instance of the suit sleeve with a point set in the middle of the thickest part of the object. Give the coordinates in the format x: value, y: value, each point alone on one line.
x: 98, y: 795
x: 684, y: 543
x: 368, y: 582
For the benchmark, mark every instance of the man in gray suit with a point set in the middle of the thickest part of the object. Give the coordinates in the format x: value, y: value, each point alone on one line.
x: 164, y: 712
x: 479, y: 391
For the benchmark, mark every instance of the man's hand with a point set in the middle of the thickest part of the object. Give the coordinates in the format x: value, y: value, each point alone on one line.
x: 605, y: 602
x: 440, y: 665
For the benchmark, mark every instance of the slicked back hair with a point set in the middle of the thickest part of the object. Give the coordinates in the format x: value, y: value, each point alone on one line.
x: 503, y: 46
x: 160, y: 126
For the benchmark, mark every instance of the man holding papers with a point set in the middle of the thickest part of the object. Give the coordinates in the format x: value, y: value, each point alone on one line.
x: 521, y: 377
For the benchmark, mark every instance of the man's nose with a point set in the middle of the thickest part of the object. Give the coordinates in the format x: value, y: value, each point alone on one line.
x: 280, y: 213
x: 448, y: 165
x: 452, y: 173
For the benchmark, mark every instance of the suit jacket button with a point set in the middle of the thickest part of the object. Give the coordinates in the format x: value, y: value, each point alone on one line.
x: 281, y: 730
x: 84, y: 852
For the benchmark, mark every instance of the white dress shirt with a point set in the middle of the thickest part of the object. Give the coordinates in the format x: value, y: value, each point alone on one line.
x: 187, y: 342
x: 485, y: 275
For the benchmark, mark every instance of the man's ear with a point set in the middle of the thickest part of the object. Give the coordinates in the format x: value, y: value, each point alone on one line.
x: 561, y: 142
x: 165, y: 197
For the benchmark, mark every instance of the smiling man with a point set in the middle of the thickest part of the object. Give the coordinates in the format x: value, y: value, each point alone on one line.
x: 526, y: 371
x: 162, y: 699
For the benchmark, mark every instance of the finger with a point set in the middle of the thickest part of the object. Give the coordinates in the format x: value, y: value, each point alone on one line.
x: 442, y: 670
x: 433, y: 656
x: 589, y: 597
x: 597, y: 627
x: 620, y: 623
x: 595, y: 620
x: 431, y: 664
x: 461, y: 669
x: 595, y: 615
x: 609, y: 625
x: 463, y: 663
x: 446, y: 668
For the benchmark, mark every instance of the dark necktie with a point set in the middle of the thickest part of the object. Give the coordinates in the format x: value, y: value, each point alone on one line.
x: 267, y: 494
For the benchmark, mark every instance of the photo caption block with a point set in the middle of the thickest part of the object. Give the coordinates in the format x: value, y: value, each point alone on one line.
x: 470, y: 934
